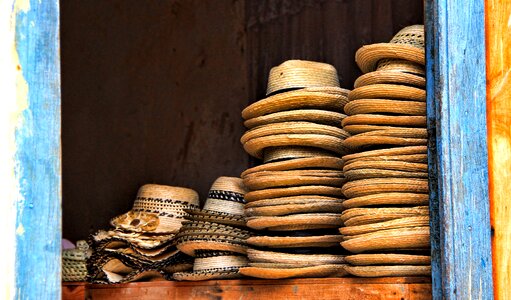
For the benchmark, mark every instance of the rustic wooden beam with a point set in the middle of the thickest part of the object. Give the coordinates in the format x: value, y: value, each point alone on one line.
x: 456, y: 98
x: 498, y: 82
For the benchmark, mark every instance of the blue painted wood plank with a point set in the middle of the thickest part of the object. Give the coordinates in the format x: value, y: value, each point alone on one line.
x: 460, y: 223
x: 38, y: 153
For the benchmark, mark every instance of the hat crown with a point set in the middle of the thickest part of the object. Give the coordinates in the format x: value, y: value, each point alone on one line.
x: 411, y: 35
x: 293, y: 74
x: 400, y: 65
x: 226, y: 195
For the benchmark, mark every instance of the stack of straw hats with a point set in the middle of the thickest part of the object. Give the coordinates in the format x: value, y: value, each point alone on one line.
x: 295, y: 198
x: 142, y: 245
x: 386, y: 216
x: 216, y: 235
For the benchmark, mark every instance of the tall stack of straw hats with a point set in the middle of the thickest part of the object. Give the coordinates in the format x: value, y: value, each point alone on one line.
x: 386, y: 216
x: 142, y: 245
x: 295, y: 197
x: 216, y: 235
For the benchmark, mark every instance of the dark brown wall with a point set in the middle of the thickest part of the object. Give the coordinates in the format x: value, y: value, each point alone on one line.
x: 152, y: 90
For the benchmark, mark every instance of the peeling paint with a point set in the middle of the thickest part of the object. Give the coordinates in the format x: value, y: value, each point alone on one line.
x: 20, y: 230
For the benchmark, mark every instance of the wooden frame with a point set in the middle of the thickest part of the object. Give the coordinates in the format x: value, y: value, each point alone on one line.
x: 458, y: 162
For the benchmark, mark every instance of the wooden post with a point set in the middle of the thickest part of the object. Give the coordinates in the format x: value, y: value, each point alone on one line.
x: 30, y: 213
x: 456, y: 94
x: 498, y: 75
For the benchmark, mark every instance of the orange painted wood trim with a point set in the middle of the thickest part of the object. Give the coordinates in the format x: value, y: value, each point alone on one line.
x: 415, y: 288
x: 498, y: 75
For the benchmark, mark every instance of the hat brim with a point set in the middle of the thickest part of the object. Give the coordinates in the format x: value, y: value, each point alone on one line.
x: 388, y: 259
x: 265, y: 182
x: 293, y: 191
x: 280, y: 273
x: 327, y: 206
x: 390, y: 91
x: 390, y: 77
x: 384, y: 120
x: 325, y: 220
x: 322, y: 162
x: 295, y: 241
x: 364, y: 187
x: 406, y: 150
x: 379, y: 173
x: 297, y: 200
x: 188, y: 245
x: 370, y: 106
x: 387, y: 199
x: 367, y: 57
x: 215, y: 217
x: 267, y: 256
x: 207, y: 275
x: 388, y: 271
x: 415, y: 221
x: 317, y: 116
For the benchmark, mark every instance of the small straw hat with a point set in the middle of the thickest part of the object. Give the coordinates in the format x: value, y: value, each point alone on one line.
x: 304, y: 221
x: 309, y: 115
x: 369, y: 106
x: 386, y: 271
x: 407, y: 44
x: 293, y: 191
x: 74, y: 267
x: 387, y: 199
x: 389, y: 239
x: 394, y: 71
x: 295, y: 241
x: 318, y: 162
x: 389, y: 91
x: 280, y: 154
x: 225, y: 201
x: 158, y: 209
x: 372, y: 119
x: 214, y: 265
x: 282, y: 273
x: 332, y: 99
x: 388, y: 259
x: 293, y: 74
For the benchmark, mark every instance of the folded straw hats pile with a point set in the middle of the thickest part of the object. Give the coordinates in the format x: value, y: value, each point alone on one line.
x: 216, y: 235
x: 386, y: 217
x: 142, y: 246
x: 295, y: 195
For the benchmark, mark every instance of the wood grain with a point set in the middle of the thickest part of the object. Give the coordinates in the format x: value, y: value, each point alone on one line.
x: 73, y: 290
x: 38, y: 173
x: 306, y: 288
x: 498, y: 81
x: 456, y: 92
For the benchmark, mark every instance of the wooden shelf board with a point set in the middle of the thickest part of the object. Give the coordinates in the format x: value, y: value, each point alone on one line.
x: 303, y: 288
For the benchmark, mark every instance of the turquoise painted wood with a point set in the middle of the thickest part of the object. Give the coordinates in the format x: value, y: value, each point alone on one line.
x: 455, y: 54
x: 38, y: 154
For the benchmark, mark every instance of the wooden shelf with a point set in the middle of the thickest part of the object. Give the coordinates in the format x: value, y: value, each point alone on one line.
x: 414, y: 288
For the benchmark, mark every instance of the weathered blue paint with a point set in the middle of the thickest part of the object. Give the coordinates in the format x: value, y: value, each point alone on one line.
x: 38, y: 154
x: 460, y: 223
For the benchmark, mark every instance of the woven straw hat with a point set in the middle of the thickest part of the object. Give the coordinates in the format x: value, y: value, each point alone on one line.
x: 371, y: 186
x: 351, y: 217
x: 400, y: 65
x: 225, y: 201
x: 158, y: 209
x: 390, y: 239
x: 293, y: 191
x: 380, y: 173
x: 407, y: 150
x: 410, y: 158
x: 74, y: 267
x: 190, y: 244
x: 367, y: 139
x: 281, y: 273
x: 389, y: 91
x: 357, y: 129
x: 309, y: 115
x: 293, y: 74
x: 265, y: 256
x: 304, y: 221
x: 321, y: 162
x: 385, y: 271
x: 311, y: 206
x: 279, y: 154
x: 372, y: 119
x: 332, y: 99
x: 214, y: 265
x: 137, y: 240
x: 392, y: 224
x: 396, y: 165
x: 394, y: 72
x: 369, y: 106
x: 295, y: 241
x: 296, y: 200
x: 257, y: 181
x: 387, y: 199
x: 388, y: 259
x: 407, y: 44
x: 213, y: 228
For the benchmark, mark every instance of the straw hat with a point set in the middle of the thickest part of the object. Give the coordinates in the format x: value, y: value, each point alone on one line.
x: 394, y: 72
x: 385, y: 271
x: 296, y: 200
x: 313, y: 206
x: 293, y: 74
x: 225, y: 201
x: 255, y: 146
x: 392, y: 224
x: 371, y: 186
x: 320, y: 162
x: 293, y: 128
x: 266, y: 256
x: 213, y: 227
x: 295, y: 241
x: 293, y: 191
x: 257, y: 182
x: 74, y: 267
x: 214, y: 265
x: 361, y: 141
x: 158, y: 209
x: 332, y: 99
x: 304, y: 221
x: 388, y: 259
x: 380, y: 173
x: 117, y: 239
x: 407, y: 150
x: 410, y: 158
x: 390, y: 239
x: 279, y: 154
x: 310, y: 115
x: 400, y: 65
x: 389, y: 91
x: 190, y: 244
x: 368, y: 106
x: 281, y: 273
x: 357, y: 129
x: 213, y: 231
x: 372, y: 119
x: 349, y: 215
x: 386, y: 165
x: 387, y: 199
x: 407, y: 44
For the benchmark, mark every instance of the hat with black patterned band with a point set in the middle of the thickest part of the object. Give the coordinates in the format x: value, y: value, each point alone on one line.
x: 157, y: 209
x: 214, y: 265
